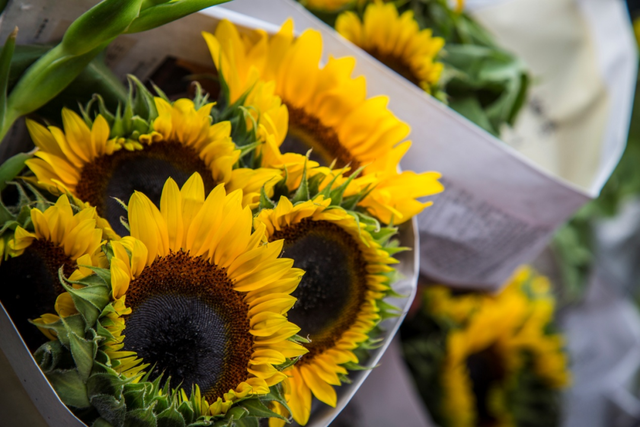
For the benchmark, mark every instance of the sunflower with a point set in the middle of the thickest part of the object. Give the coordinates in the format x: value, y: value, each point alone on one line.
x: 396, y: 41
x: 100, y: 165
x: 345, y: 277
x: 199, y: 298
x: 500, y: 348
x: 329, y: 6
x: 328, y: 112
x: 60, y: 239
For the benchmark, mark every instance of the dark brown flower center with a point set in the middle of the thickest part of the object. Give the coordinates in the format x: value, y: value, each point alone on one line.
x: 397, y: 64
x: 120, y: 174
x: 485, y: 371
x: 189, y: 324
x: 333, y: 288
x: 30, y: 286
x: 307, y: 132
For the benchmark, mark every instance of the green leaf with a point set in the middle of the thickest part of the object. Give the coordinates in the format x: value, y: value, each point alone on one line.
x: 48, y: 355
x: 12, y: 167
x: 101, y: 422
x: 161, y: 14
x: 302, y: 193
x: 5, y: 63
x: 110, y: 408
x: 105, y: 383
x: 247, y: 422
x: 170, y: 417
x: 70, y: 388
x: 237, y: 413
x: 83, y: 352
x: 258, y: 409
x: 141, y: 418
x: 134, y: 396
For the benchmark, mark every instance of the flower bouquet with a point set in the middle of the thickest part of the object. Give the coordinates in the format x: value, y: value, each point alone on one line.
x: 488, y: 359
x: 174, y: 260
x: 481, y: 229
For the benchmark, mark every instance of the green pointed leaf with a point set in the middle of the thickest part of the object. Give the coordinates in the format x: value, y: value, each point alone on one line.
x: 83, y: 352
x: 105, y: 383
x: 69, y: 387
x: 247, y: 422
x: 265, y: 201
x: 101, y: 422
x: 134, y: 396
x: 5, y: 66
x: 237, y: 413
x: 48, y: 355
x: 12, y: 167
x: 257, y: 409
x: 302, y: 193
x: 170, y: 417
x: 141, y: 418
x: 187, y: 412
x: 109, y: 408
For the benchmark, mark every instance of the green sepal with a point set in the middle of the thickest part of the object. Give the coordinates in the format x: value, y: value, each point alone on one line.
x: 141, y: 418
x: 10, y: 169
x: 134, y: 395
x: 105, y: 383
x: 48, y: 355
x: 70, y: 388
x: 89, y: 300
x: 187, y: 412
x: 237, y: 412
x: 83, y: 352
x: 111, y: 409
x: 265, y: 201
x: 64, y: 326
x: 170, y: 417
x: 101, y: 422
x: 302, y: 193
x: 247, y: 422
x: 255, y: 408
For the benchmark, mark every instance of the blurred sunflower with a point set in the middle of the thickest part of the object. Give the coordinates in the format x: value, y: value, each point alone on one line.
x: 501, y: 362
x: 199, y: 297
x: 345, y: 276
x: 60, y: 238
x: 100, y: 164
x: 328, y: 112
x: 329, y: 6
x: 396, y: 41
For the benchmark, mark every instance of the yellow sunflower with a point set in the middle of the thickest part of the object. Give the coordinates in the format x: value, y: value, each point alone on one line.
x: 337, y: 297
x: 396, y: 41
x: 328, y: 111
x: 497, y: 338
x: 98, y: 167
x: 329, y: 5
x: 199, y: 297
x: 60, y: 239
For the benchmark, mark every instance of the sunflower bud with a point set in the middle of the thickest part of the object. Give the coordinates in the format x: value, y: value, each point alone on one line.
x: 100, y: 24
x: 155, y: 13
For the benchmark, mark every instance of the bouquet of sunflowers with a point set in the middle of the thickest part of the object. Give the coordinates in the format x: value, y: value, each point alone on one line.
x: 185, y: 262
x: 438, y: 47
x: 488, y: 360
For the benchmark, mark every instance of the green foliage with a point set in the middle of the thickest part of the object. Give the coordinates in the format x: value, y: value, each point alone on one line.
x: 82, y: 42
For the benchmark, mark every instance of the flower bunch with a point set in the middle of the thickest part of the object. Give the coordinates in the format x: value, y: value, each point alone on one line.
x: 189, y: 262
x: 489, y: 360
x: 438, y: 47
